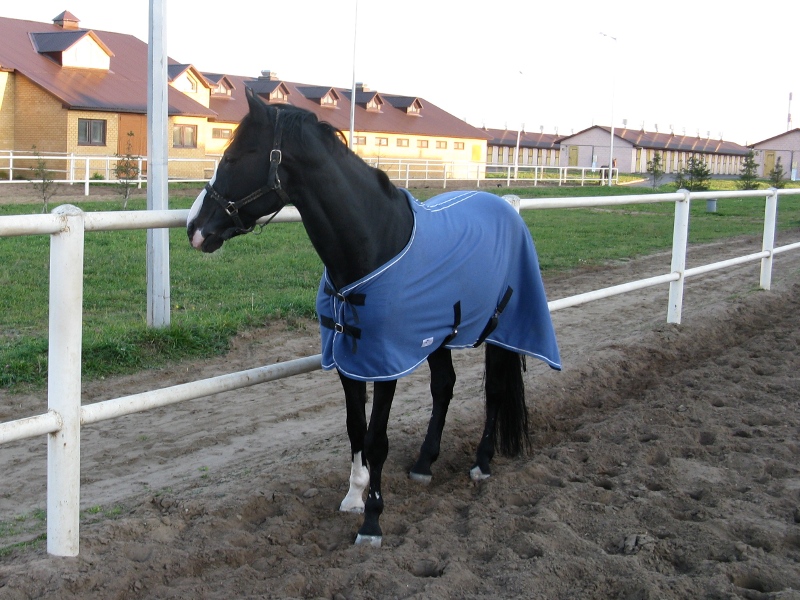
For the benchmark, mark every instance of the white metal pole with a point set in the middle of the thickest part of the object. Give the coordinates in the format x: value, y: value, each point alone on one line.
x: 64, y: 383
x: 353, y: 88
x: 86, y: 178
x: 158, y: 293
x: 611, y: 143
x: 768, y: 242
x: 516, y: 153
x: 680, y: 238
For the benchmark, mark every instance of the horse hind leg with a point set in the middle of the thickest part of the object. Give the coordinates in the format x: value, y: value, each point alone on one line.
x: 443, y: 380
x: 356, y: 399
x: 506, y: 426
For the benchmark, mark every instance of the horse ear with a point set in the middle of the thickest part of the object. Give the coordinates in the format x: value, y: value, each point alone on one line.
x: 252, y: 99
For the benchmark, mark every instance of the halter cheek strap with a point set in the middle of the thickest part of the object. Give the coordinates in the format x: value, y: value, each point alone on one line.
x: 273, y: 184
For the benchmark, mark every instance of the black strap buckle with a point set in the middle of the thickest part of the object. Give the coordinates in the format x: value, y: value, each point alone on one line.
x: 493, y: 321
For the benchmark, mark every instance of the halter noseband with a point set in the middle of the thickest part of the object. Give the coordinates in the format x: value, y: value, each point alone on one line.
x: 273, y: 184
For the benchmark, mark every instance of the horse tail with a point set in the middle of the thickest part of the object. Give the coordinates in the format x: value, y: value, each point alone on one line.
x: 506, y: 411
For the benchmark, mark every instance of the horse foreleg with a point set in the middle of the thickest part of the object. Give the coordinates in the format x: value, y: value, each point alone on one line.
x: 443, y: 380
x: 376, y: 449
x: 355, y: 393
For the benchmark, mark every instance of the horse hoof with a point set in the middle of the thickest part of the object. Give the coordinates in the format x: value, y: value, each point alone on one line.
x: 369, y: 540
x: 477, y: 475
x: 424, y: 479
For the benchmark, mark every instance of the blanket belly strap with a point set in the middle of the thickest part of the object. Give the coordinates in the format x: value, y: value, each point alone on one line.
x: 456, y: 323
x: 492, y: 324
x: 354, y: 332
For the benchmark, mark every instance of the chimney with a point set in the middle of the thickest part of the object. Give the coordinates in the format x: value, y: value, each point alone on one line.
x: 268, y: 75
x: 362, y: 87
x: 66, y: 20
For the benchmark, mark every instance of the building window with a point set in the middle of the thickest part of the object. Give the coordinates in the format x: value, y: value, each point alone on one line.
x: 359, y: 140
x: 184, y: 136
x: 91, y: 132
x: 422, y: 143
x: 441, y: 145
x: 402, y: 142
x: 278, y: 95
x: 458, y: 145
x: 381, y: 141
x: 328, y: 100
x: 221, y: 134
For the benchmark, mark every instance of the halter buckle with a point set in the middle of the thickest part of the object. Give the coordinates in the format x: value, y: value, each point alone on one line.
x: 231, y: 209
x: 275, y: 156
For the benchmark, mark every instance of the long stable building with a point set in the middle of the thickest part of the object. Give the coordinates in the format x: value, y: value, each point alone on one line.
x: 67, y: 89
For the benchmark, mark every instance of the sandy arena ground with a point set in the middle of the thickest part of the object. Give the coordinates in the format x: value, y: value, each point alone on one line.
x: 665, y: 464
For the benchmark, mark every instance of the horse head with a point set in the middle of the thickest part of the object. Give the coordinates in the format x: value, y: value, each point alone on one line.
x: 246, y: 185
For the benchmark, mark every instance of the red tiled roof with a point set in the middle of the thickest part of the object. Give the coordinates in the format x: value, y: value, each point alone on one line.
x: 393, y: 118
x: 527, y: 139
x: 671, y: 141
x: 123, y: 88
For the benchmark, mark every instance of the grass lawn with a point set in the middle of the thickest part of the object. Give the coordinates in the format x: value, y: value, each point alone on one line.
x: 273, y: 275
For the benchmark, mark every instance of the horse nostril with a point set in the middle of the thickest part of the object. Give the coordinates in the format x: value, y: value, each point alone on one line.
x: 190, y: 229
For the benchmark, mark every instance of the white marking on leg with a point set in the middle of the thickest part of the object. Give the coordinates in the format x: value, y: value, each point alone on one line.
x: 476, y: 474
x: 359, y: 480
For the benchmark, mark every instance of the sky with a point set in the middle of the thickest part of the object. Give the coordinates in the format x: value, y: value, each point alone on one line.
x: 711, y: 67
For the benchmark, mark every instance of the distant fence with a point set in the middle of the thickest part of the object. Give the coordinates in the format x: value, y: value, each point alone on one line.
x: 408, y: 171
x: 67, y: 225
x: 16, y: 167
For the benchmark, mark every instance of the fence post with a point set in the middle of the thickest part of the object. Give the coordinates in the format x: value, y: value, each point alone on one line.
x: 680, y: 238
x: 86, y: 181
x: 64, y: 383
x: 768, y: 242
x: 11, y: 166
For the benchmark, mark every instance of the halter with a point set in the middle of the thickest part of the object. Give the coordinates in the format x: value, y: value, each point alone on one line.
x: 273, y: 184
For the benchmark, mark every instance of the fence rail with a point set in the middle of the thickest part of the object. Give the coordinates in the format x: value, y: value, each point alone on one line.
x: 85, y: 169
x: 67, y: 226
x: 90, y: 170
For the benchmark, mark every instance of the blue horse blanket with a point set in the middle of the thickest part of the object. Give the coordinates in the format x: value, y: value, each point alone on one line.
x: 470, y: 258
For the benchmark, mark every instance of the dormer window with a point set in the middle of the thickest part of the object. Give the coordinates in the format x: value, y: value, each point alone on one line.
x: 221, y: 90
x: 329, y: 100
x: 415, y: 108
x: 279, y: 94
x: 79, y: 48
x: 326, y: 97
x: 373, y: 105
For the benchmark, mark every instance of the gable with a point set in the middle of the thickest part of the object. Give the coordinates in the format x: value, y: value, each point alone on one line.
x: 79, y: 49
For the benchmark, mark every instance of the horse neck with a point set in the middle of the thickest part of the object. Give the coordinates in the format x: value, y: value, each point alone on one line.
x: 355, y: 222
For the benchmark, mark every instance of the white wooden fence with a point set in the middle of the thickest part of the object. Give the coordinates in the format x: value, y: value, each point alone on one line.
x: 88, y: 170
x: 67, y: 225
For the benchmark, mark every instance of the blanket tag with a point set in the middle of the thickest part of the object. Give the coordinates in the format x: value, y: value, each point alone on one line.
x: 427, y: 342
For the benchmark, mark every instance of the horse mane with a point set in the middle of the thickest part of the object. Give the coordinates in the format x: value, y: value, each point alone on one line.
x: 297, y: 122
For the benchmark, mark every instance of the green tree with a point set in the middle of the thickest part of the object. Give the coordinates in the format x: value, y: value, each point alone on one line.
x: 747, y: 178
x: 777, y: 175
x: 127, y: 170
x: 656, y: 168
x: 695, y: 176
x: 42, y: 179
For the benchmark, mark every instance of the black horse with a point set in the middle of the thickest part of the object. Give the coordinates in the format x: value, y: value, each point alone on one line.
x: 361, y: 226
